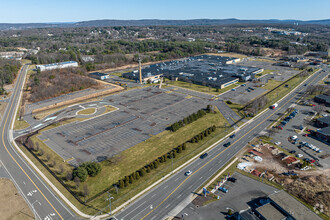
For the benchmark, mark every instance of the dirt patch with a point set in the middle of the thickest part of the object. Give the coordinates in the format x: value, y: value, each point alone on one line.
x: 12, y: 205
x: 200, y: 200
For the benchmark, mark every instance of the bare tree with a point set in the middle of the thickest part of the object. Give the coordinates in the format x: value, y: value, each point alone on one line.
x: 271, y: 132
x: 85, y: 190
x: 69, y: 176
x: 319, y: 109
x: 53, y: 164
x: 41, y: 152
x: 48, y: 157
x: 77, y: 182
x: 60, y: 169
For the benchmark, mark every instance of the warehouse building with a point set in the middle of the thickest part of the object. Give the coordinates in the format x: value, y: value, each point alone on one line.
x: 207, y: 70
x: 52, y: 66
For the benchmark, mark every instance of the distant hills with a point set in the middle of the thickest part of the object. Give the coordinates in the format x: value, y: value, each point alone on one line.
x: 155, y: 22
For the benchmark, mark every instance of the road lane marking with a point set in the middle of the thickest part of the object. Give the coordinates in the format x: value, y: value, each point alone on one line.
x: 3, y: 142
x: 272, y: 114
x: 134, y: 209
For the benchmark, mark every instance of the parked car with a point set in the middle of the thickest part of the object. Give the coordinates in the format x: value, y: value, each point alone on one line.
x: 233, y: 89
x: 277, y: 143
x: 203, y: 155
x: 227, y: 144
x: 188, y: 173
x: 223, y: 189
x: 232, y: 179
x: 300, y: 155
x: 292, y: 152
x: 232, y: 136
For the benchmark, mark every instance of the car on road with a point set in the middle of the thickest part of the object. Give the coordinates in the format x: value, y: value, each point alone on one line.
x: 223, y: 189
x: 203, y: 155
x: 227, y: 144
x: 188, y: 173
x: 232, y: 136
x: 232, y: 179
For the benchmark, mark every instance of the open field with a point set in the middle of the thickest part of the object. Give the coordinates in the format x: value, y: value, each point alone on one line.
x: 12, y: 205
x: 200, y: 88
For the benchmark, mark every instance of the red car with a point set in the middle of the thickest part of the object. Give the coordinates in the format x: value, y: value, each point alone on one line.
x: 312, y: 161
x: 306, y: 135
x: 308, y: 129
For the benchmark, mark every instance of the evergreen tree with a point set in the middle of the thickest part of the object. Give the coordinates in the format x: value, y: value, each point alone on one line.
x: 121, y: 184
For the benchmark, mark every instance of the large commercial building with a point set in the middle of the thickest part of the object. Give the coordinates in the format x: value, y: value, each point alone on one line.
x: 207, y: 70
x: 52, y: 66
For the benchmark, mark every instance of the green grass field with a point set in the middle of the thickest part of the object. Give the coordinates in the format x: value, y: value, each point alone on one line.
x: 200, y: 88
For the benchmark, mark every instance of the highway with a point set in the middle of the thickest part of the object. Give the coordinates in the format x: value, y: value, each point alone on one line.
x: 43, y: 201
x: 166, y: 199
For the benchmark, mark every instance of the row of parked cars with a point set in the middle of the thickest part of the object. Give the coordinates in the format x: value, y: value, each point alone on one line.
x: 230, y: 179
x: 311, y: 146
x: 287, y: 119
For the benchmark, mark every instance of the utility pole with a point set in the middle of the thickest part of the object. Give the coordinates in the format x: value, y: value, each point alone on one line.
x: 109, y: 198
x: 140, y: 70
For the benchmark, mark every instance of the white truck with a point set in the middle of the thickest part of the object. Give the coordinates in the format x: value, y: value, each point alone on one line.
x: 274, y: 106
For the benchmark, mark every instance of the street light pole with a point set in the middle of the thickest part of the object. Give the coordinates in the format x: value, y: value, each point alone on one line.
x: 109, y: 198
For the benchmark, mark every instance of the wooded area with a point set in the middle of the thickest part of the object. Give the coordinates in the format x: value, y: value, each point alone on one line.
x: 49, y: 84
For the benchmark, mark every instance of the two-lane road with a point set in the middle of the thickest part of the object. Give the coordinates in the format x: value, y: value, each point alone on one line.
x: 159, y: 202
x: 45, y: 204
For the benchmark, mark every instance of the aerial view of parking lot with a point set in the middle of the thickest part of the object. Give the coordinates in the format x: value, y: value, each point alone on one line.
x: 155, y: 119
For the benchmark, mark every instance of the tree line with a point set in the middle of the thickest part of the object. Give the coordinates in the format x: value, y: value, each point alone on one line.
x: 189, y: 119
x: 172, y: 154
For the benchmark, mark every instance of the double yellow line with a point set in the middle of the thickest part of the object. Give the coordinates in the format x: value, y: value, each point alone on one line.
x: 16, y: 92
x: 220, y: 154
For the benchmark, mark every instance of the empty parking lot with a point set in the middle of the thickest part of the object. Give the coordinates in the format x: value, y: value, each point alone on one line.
x: 142, y: 113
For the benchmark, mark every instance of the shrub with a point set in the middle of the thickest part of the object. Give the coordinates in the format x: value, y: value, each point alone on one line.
x: 81, y: 173
x: 121, y: 184
x: 229, y: 102
x: 93, y: 168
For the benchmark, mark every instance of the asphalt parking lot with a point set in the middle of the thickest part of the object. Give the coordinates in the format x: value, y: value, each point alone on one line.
x: 241, y: 95
x: 239, y: 194
x: 141, y: 114
x: 289, y: 130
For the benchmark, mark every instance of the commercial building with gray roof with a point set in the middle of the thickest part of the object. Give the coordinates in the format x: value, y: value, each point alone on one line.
x: 207, y: 70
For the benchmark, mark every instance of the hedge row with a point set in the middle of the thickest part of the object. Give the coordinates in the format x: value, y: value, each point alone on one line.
x: 162, y: 159
x: 153, y: 165
x: 191, y: 118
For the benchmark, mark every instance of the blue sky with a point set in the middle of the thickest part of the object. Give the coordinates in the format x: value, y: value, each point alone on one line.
x: 24, y: 11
